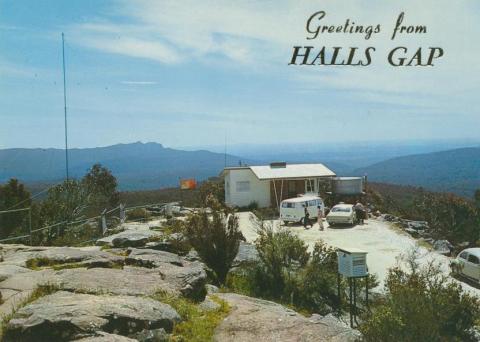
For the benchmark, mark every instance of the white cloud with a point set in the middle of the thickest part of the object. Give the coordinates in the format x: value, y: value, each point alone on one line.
x: 259, y: 37
x: 139, y: 82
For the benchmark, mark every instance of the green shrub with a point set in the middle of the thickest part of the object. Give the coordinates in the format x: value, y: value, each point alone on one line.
x: 318, y: 290
x: 422, y: 304
x: 216, y: 238
x: 281, y: 256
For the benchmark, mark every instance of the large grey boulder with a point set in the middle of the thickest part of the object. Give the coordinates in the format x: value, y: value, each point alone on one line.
x: 252, y: 319
x: 66, y: 315
x: 129, y: 238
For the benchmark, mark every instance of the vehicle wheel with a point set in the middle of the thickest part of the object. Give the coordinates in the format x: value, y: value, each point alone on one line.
x: 285, y: 223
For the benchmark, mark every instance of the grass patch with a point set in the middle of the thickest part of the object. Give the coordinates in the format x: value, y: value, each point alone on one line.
x: 39, y: 292
x: 197, y: 325
x: 38, y: 263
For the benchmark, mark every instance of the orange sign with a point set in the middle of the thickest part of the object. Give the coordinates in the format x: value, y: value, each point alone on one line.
x: 188, y: 184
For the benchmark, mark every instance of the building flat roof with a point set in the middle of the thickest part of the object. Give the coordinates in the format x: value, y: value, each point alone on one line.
x: 292, y: 171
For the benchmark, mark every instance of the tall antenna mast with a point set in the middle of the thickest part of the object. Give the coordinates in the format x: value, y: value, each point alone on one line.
x: 65, y: 105
x: 225, y: 152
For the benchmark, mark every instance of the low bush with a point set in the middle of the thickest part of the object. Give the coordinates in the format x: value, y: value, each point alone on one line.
x: 422, y: 304
x: 138, y: 214
x: 287, y: 273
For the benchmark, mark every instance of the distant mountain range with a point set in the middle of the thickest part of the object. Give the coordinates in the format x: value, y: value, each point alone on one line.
x: 455, y: 171
x: 140, y: 166
x: 137, y: 166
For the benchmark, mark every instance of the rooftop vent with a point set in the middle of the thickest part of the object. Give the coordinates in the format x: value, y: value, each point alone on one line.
x: 278, y: 165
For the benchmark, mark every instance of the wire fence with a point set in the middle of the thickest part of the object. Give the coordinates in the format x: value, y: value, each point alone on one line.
x: 107, y: 220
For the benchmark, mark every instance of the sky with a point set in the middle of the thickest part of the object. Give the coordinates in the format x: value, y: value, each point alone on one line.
x: 197, y: 73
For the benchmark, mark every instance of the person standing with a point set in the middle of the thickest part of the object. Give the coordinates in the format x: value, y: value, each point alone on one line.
x: 306, y: 218
x: 360, y: 212
x: 320, y: 218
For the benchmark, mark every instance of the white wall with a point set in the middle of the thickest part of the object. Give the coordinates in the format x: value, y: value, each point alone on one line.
x: 259, y: 190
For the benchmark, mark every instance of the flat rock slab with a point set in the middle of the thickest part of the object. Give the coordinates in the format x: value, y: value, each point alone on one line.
x: 256, y: 319
x: 188, y: 281
x: 65, y: 315
x: 152, y: 258
x: 6, y: 271
x: 28, y: 280
x: 91, y: 257
x: 101, y: 336
x: 129, y: 238
x: 133, y: 281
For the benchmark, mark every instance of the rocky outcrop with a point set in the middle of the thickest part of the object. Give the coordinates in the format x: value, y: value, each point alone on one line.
x: 101, y: 336
x: 443, y: 247
x: 260, y: 320
x: 129, y: 238
x: 65, y: 315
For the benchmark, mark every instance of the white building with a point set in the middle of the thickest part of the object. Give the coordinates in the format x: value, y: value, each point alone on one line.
x: 268, y: 185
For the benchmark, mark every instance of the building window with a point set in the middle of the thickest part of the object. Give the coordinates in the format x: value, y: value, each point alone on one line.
x: 227, y: 187
x: 309, y: 185
x: 243, y: 186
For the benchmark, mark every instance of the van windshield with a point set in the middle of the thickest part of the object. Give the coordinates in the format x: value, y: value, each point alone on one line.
x: 288, y: 205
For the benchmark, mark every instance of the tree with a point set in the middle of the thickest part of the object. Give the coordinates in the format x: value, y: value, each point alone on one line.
x: 422, y: 304
x: 210, y: 188
x: 65, y: 202
x: 101, y: 187
x: 450, y: 217
x: 13, y: 195
x: 216, y: 238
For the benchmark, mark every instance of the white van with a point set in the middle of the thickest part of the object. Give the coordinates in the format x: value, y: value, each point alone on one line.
x: 292, y: 209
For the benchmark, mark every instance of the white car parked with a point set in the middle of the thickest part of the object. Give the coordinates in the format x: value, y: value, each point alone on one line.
x: 341, y: 214
x: 467, y: 264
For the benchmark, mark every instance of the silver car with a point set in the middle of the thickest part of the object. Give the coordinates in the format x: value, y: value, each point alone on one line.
x: 341, y: 214
x: 467, y: 264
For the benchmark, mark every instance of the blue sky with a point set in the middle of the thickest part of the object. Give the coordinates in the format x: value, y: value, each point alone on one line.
x: 189, y: 73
